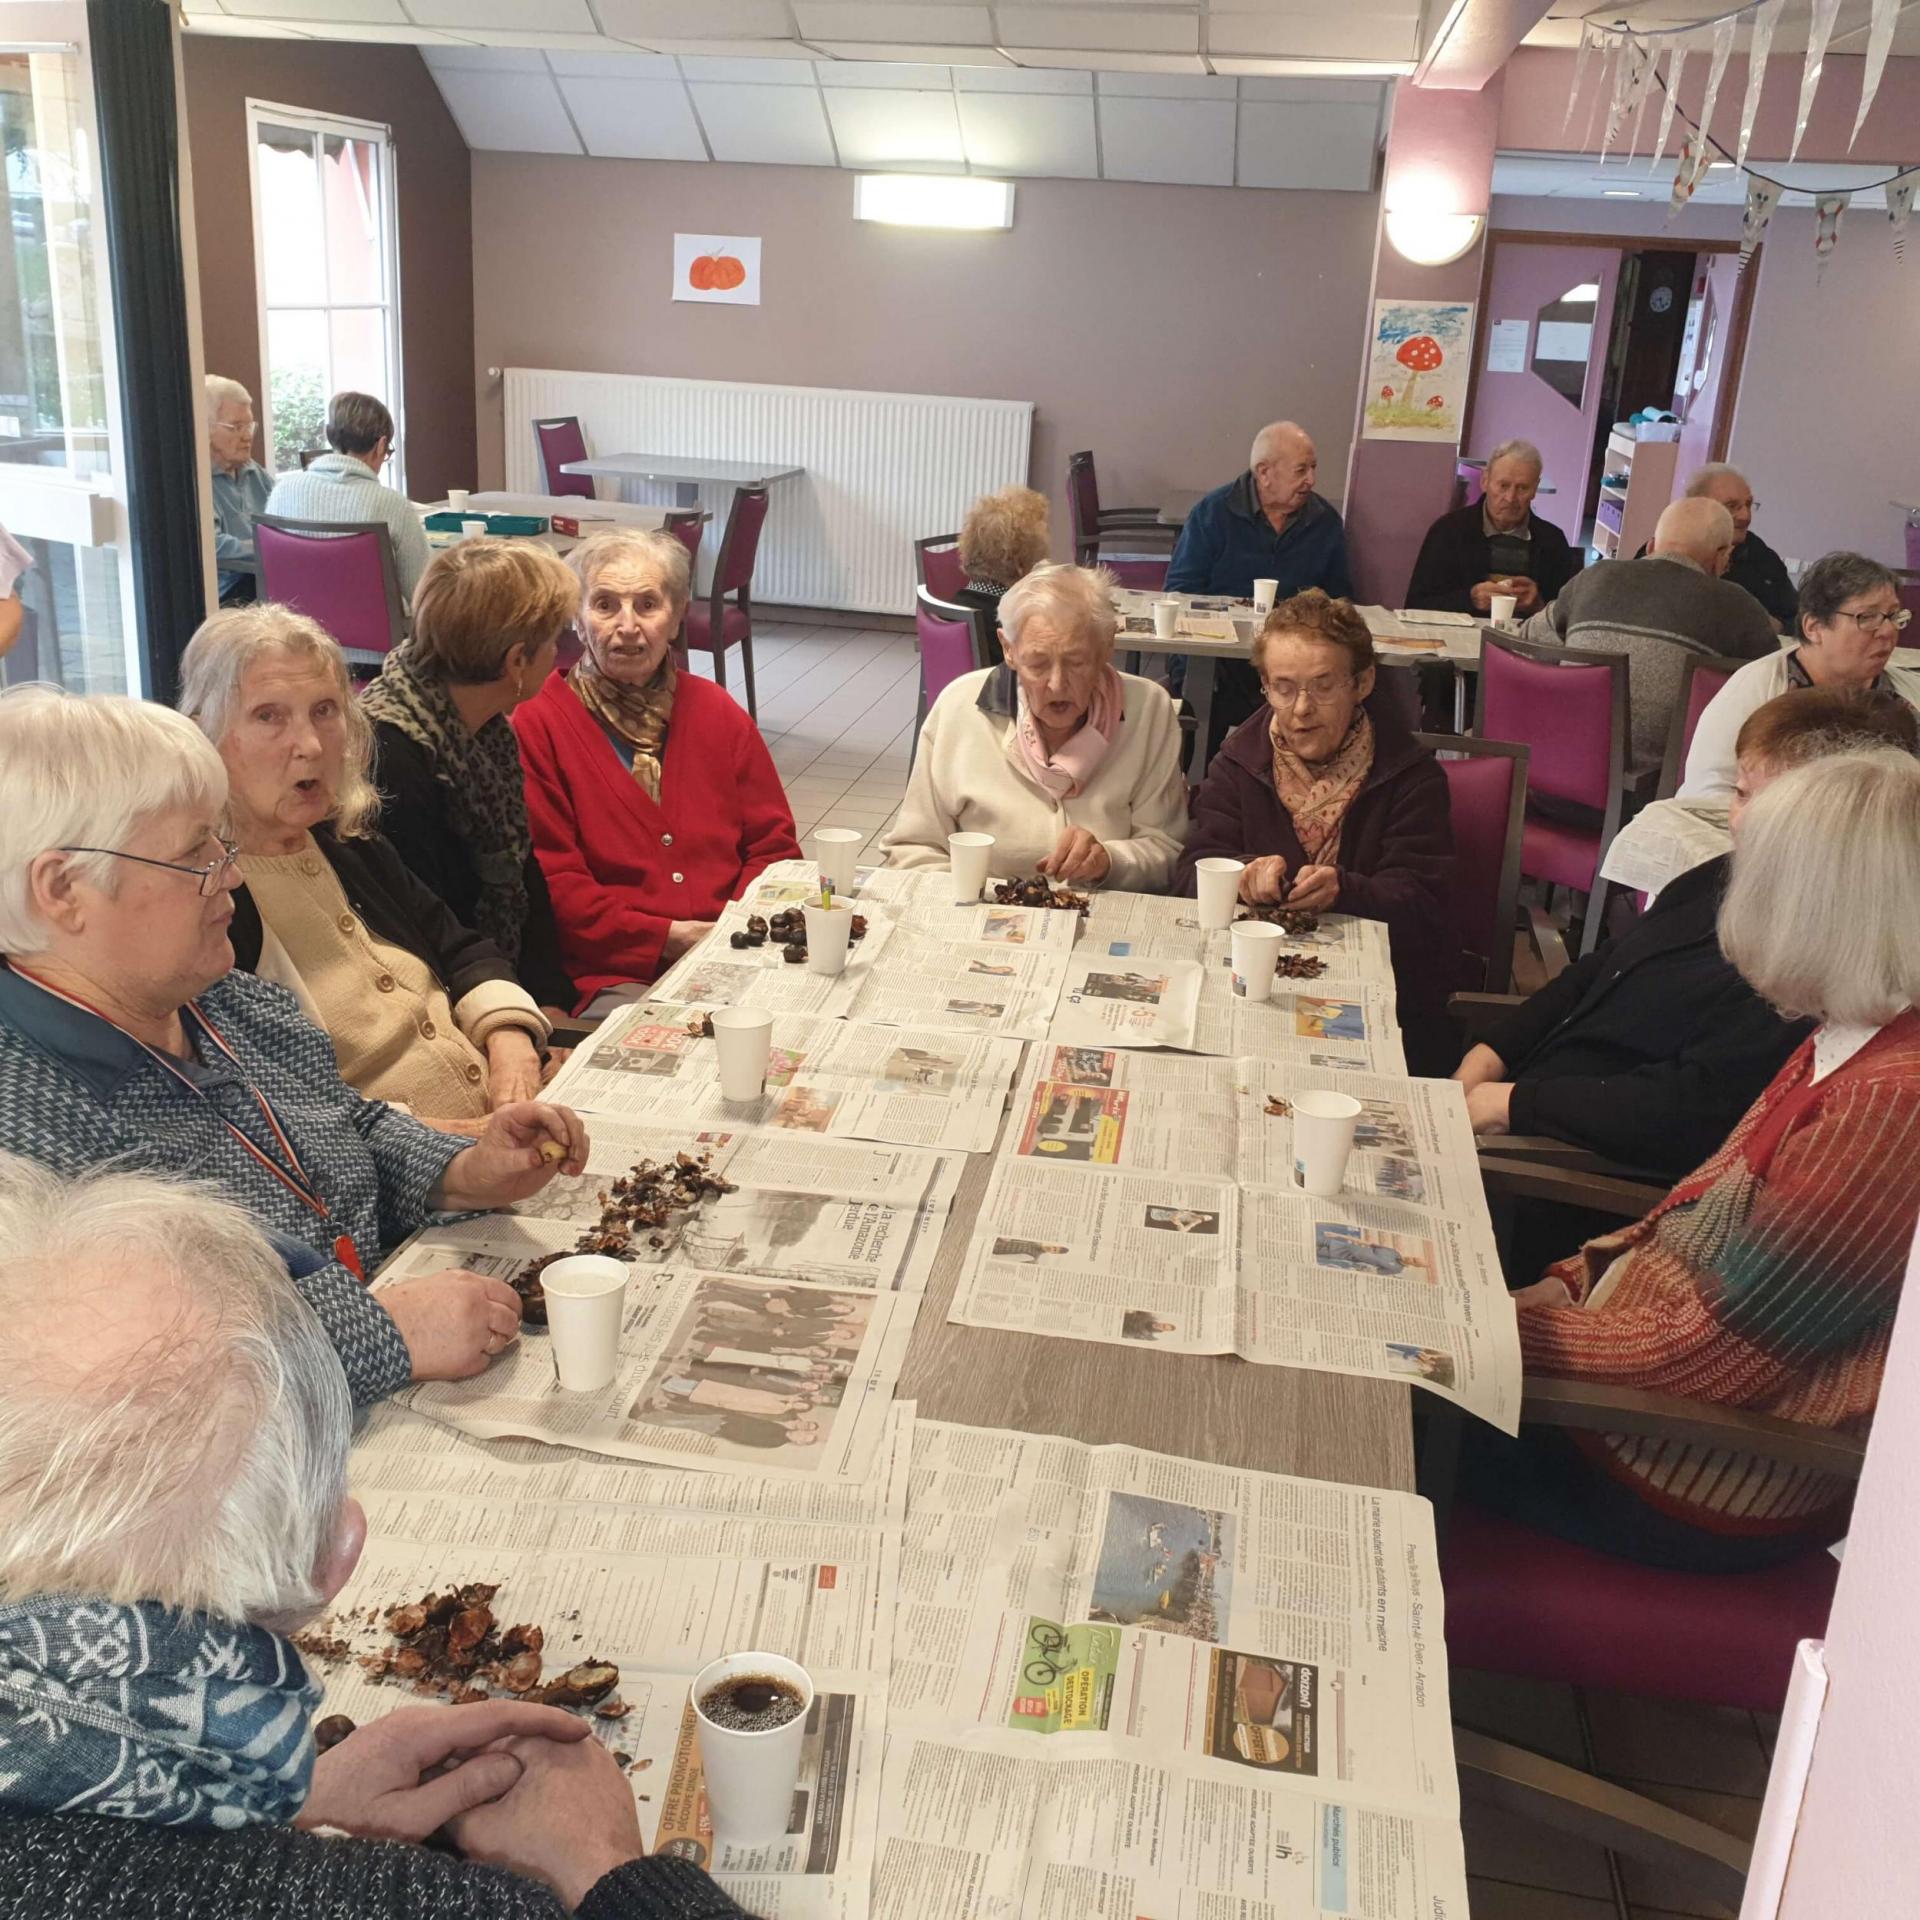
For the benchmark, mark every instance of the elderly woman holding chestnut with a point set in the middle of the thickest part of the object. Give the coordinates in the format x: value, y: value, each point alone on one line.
x: 1073, y: 767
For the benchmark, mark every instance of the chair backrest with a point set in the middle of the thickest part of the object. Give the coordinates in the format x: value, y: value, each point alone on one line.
x: 1083, y: 507
x: 1567, y: 706
x: 687, y: 528
x: 936, y: 565
x: 1487, y: 796
x: 308, y: 455
x: 559, y: 440
x: 952, y: 641
x: 1470, y: 481
x: 733, y: 571
x: 340, y: 573
x: 1701, y: 677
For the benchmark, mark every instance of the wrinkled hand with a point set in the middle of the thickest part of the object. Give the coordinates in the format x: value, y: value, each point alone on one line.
x: 1077, y: 856
x: 1526, y: 595
x: 405, y: 1775
x: 682, y: 936
x: 1315, y: 889
x: 453, y: 1322
x: 557, y: 1057
x: 513, y: 1067
x: 1480, y: 595
x: 1550, y: 1292
x: 505, y: 1164
x: 1263, y: 883
x: 1479, y: 1065
x: 1487, y: 1106
x: 570, y: 1819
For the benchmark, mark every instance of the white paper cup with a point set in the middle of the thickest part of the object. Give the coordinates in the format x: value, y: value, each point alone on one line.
x: 1256, y: 952
x: 1502, y: 607
x: 829, y: 931
x: 1166, y: 618
x: 457, y: 499
x: 586, y: 1301
x: 968, y: 854
x: 1217, y: 879
x: 751, y: 1777
x: 472, y: 529
x: 1323, y: 1125
x: 744, y: 1037
x: 837, y: 850
x: 1264, y: 594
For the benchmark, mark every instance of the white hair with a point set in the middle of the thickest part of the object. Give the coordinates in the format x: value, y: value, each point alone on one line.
x: 1822, y: 915
x: 89, y: 770
x: 1701, y: 478
x: 223, y: 392
x: 186, y: 1447
x: 1076, y: 599
x: 1517, y: 450
x: 1693, y: 526
x: 1266, y: 443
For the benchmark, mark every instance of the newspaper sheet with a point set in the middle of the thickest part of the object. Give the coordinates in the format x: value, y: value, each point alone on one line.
x: 1353, y: 952
x: 1664, y: 840
x: 1131, y: 1685
x: 1150, y: 1199
x: 656, y: 1571
x: 840, y: 1078
x: 716, y: 973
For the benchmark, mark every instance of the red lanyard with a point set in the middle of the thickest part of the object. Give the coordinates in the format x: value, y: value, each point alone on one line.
x: 292, y: 1176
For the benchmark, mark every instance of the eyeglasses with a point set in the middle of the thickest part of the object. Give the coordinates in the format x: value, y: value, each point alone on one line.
x: 1876, y: 618
x: 208, y: 876
x: 1318, y: 693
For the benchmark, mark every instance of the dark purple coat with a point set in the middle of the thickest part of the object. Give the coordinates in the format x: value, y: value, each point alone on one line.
x: 1396, y: 845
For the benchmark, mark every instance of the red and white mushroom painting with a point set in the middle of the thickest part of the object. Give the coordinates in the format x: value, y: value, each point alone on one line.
x: 1422, y: 354
x: 1417, y: 369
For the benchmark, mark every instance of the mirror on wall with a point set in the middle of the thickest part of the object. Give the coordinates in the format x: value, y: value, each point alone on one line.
x: 1563, y: 340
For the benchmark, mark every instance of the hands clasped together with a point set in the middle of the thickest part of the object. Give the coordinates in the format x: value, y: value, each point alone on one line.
x: 1264, y: 884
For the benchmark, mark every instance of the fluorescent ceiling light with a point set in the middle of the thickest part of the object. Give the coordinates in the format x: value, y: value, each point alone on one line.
x: 1618, y: 193
x: 932, y: 200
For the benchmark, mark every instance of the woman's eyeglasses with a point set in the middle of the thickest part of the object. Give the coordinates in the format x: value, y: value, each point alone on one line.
x: 209, y: 876
x: 1877, y: 618
x: 1318, y: 693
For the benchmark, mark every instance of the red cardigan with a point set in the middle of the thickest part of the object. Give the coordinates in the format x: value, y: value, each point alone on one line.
x: 621, y: 869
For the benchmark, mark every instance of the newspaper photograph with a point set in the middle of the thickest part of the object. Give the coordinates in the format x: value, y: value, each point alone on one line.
x: 840, y: 1078
x: 1353, y: 1030
x: 1665, y: 839
x: 1127, y: 1002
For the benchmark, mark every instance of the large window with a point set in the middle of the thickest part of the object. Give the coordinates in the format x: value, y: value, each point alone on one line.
x: 328, y: 266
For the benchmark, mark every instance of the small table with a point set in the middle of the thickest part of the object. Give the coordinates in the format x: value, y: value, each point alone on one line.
x: 1200, y: 654
x: 616, y: 513
x: 687, y: 472
x: 1176, y: 503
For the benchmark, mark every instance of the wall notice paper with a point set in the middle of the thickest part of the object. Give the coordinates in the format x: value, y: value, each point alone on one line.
x: 1664, y: 840
x: 719, y: 267
x: 1140, y: 1198
x: 654, y: 1571
x: 1126, y: 1684
x: 1507, y: 347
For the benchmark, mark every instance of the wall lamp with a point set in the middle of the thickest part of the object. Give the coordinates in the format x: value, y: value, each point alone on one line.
x: 1431, y: 239
x: 933, y: 200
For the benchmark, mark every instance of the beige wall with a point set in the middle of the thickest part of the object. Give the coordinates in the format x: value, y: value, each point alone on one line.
x: 1159, y: 326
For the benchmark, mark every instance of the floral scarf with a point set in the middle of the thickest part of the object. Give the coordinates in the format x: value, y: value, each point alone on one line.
x: 1065, y: 773
x: 637, y: 715
x: 1317, y: 798
x: 484, y: 782
x: 177, y: 1719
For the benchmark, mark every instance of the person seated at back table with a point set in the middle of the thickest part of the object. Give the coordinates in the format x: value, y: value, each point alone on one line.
x: 1334, y: 806
x: 1754, y: 565
x: 173, y: 1503
x: 1649, y: 1050
x: 1074, y: 768
x: 1497, y: 544
x: 241, y: 486
x: 1850, y: 623
x: 1005, y: 537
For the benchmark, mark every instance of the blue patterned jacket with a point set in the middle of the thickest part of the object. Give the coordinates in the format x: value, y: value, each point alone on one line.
x: 76, y: 1092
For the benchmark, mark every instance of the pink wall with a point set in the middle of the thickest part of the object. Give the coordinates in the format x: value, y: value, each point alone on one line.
x: 1696, y: 436
x: 1160, y: 326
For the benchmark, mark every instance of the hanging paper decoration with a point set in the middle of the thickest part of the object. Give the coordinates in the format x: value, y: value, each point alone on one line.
x: 1762, y: 197
x: 1603, y: 80
x: 1819, y: 32
x: 1626, y: 71
x: 1647, y: 66
x: 1879, y: 41
x: 1672, y: 94
x: 1716, y: 68
x: 1695, y: 157
x: 1827, y: 209
x: 1764, y: 22
x: 1579, y: 71
x: 1900, y: 208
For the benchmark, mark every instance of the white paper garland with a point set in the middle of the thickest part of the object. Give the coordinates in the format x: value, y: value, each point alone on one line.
x: 1886, y: 14
x: 1819, y: 32
x: 1674, y: 64
x: 1764, y: 22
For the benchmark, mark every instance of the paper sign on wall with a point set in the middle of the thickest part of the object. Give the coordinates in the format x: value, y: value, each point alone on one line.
x: 1507, y: 347
x: 719, y: 267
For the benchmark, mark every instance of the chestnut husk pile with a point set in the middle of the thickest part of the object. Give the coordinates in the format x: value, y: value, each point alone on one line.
x: 788, y: 929
x: 1299, y: 966
x: 1297, y: 921
x: 1039, y: 891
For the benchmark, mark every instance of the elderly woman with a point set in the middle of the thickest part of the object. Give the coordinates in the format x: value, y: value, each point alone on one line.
x: 653, y: 798
x: 422, y: 1011
x: 487, y: 621
x: 157, y: 1723
x: 1851, y: 620
x: 1072, y: 767
x: 126, y: 1034
x: 1335, y: 806
x: 1769, y: 1277
x: 1005, y: 537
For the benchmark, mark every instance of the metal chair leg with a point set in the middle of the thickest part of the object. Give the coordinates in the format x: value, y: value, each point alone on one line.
x: 746, y: 660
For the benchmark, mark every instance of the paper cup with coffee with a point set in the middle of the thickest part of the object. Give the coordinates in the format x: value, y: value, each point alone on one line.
x: 968, y: 854
x: 1264, y: 594
x: 744, y: 1038
x: 837, y: 851
x: 1256, y: 952
x: 829, y: 931
x: 1217, y: 879
x: 1166, y: 618
x: 586, y: 1301
x: 457, y: 498
x: 1503, y: 607
x: 752, y: 1711
x: 1323, y: 1125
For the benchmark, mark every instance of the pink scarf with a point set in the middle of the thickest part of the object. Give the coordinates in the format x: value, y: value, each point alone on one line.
x: 1065, y: 774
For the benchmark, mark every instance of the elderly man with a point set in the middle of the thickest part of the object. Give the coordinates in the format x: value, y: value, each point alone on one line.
x: 173, y: 1500
x: 240, y: 486
x: 1495, y: 545
x: 345, y: 484
x: 1657, y: 610
x: 1754, y: 564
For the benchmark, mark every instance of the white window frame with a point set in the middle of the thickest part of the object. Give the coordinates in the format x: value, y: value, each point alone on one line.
x: 302, y: 120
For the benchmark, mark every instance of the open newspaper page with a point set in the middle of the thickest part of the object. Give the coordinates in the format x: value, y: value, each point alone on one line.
x: 837, y: 1077
x: 1129, y: 1684
x: 716, y: 973
x: 1664, y: 840
x: 1127, y: 1002
x: 653, y: 1571
x: 1353, y: 953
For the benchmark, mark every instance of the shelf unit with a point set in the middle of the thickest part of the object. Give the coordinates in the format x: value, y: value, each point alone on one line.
x: 1624, y: 518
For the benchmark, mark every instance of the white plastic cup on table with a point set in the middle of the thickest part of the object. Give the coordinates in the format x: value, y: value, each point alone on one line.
x: 1503, y: 606
x: 457, y: 498
x: 837, y: 850
x: 751, y: 1774
x: 1323, y: 1125
x: 586, y: 1302
x: 1217, y: 880
x: 472, y: 529
x: 1166, y: 618
x: 1265, y: 592
x: 829, y: 932
x: 744, y: 1038
x: 1256, y: 952
x: 968, y: 854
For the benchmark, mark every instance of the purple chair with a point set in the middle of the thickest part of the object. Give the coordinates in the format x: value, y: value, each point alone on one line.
x: 558, y: 441
x: 936, y: 565
x: 717, y: 623
x: 687, y: 527
x: 1487, y: 796
x: 1703, y: 675
x: 338, y: 572
x: 953, y: 640
x: 1569, y: 708
x: 1133, y: 528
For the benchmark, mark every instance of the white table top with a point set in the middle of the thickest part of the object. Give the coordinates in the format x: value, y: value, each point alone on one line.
x: 683, y: 467
x: 577, y: 506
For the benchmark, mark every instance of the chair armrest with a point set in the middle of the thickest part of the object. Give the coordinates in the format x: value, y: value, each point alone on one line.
x: 1119, y: 516
x: 1570, y: 1187
x: 1640, y: 781
x: 570, y: 1036
x: 1542, y: 1149
x: 1474, y: 1013
x: 1548, y: 941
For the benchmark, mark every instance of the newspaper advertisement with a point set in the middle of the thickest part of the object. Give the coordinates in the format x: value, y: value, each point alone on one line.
x: 1664, y: 840
x: 1126, y: 1002
x: 653, y: 1571
x: 839, y: 1078
x: 1128, y: 1684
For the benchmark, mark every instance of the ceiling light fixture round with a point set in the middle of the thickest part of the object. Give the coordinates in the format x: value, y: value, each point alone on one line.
x: 1431, y: 239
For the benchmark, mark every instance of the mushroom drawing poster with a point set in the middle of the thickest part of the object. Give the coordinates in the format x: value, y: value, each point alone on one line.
x: 1417, y: 370
x: 715, y: 266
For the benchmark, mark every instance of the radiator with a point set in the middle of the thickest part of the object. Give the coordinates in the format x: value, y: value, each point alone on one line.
x: 882, y: 469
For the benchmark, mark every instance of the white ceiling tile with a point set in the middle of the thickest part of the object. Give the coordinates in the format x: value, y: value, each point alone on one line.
x: 844, y: 51
x: 614, y: 66
x: 528, y: 16
x: 223, y: 26
x: 1311, y: 69
x: 483, y: 60
x: 695, y: 19
x: 907, y: 25
x: 1316, y: 91
x: 779, y: 62
x: 372, y: 34
x: 511, y: 112
x: 635, y: 119
x: 912, y: 130
x: 900, y: 76
x: 1331, y: 33
x: 1165, y: 86
x: 1124, y: 29
x: 1188, y: 142
x: 1022, y: 80
x: 538, y: 43
x: 1097, y: 60
x: 387, y: 12
x: 191, y: 7
x: 1303, y: 145
x: 773, y: 126
x: 1048, y: 135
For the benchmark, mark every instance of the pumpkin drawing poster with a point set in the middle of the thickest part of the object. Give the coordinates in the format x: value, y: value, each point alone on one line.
x: 1417, y: 369
x: 720, y: 267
